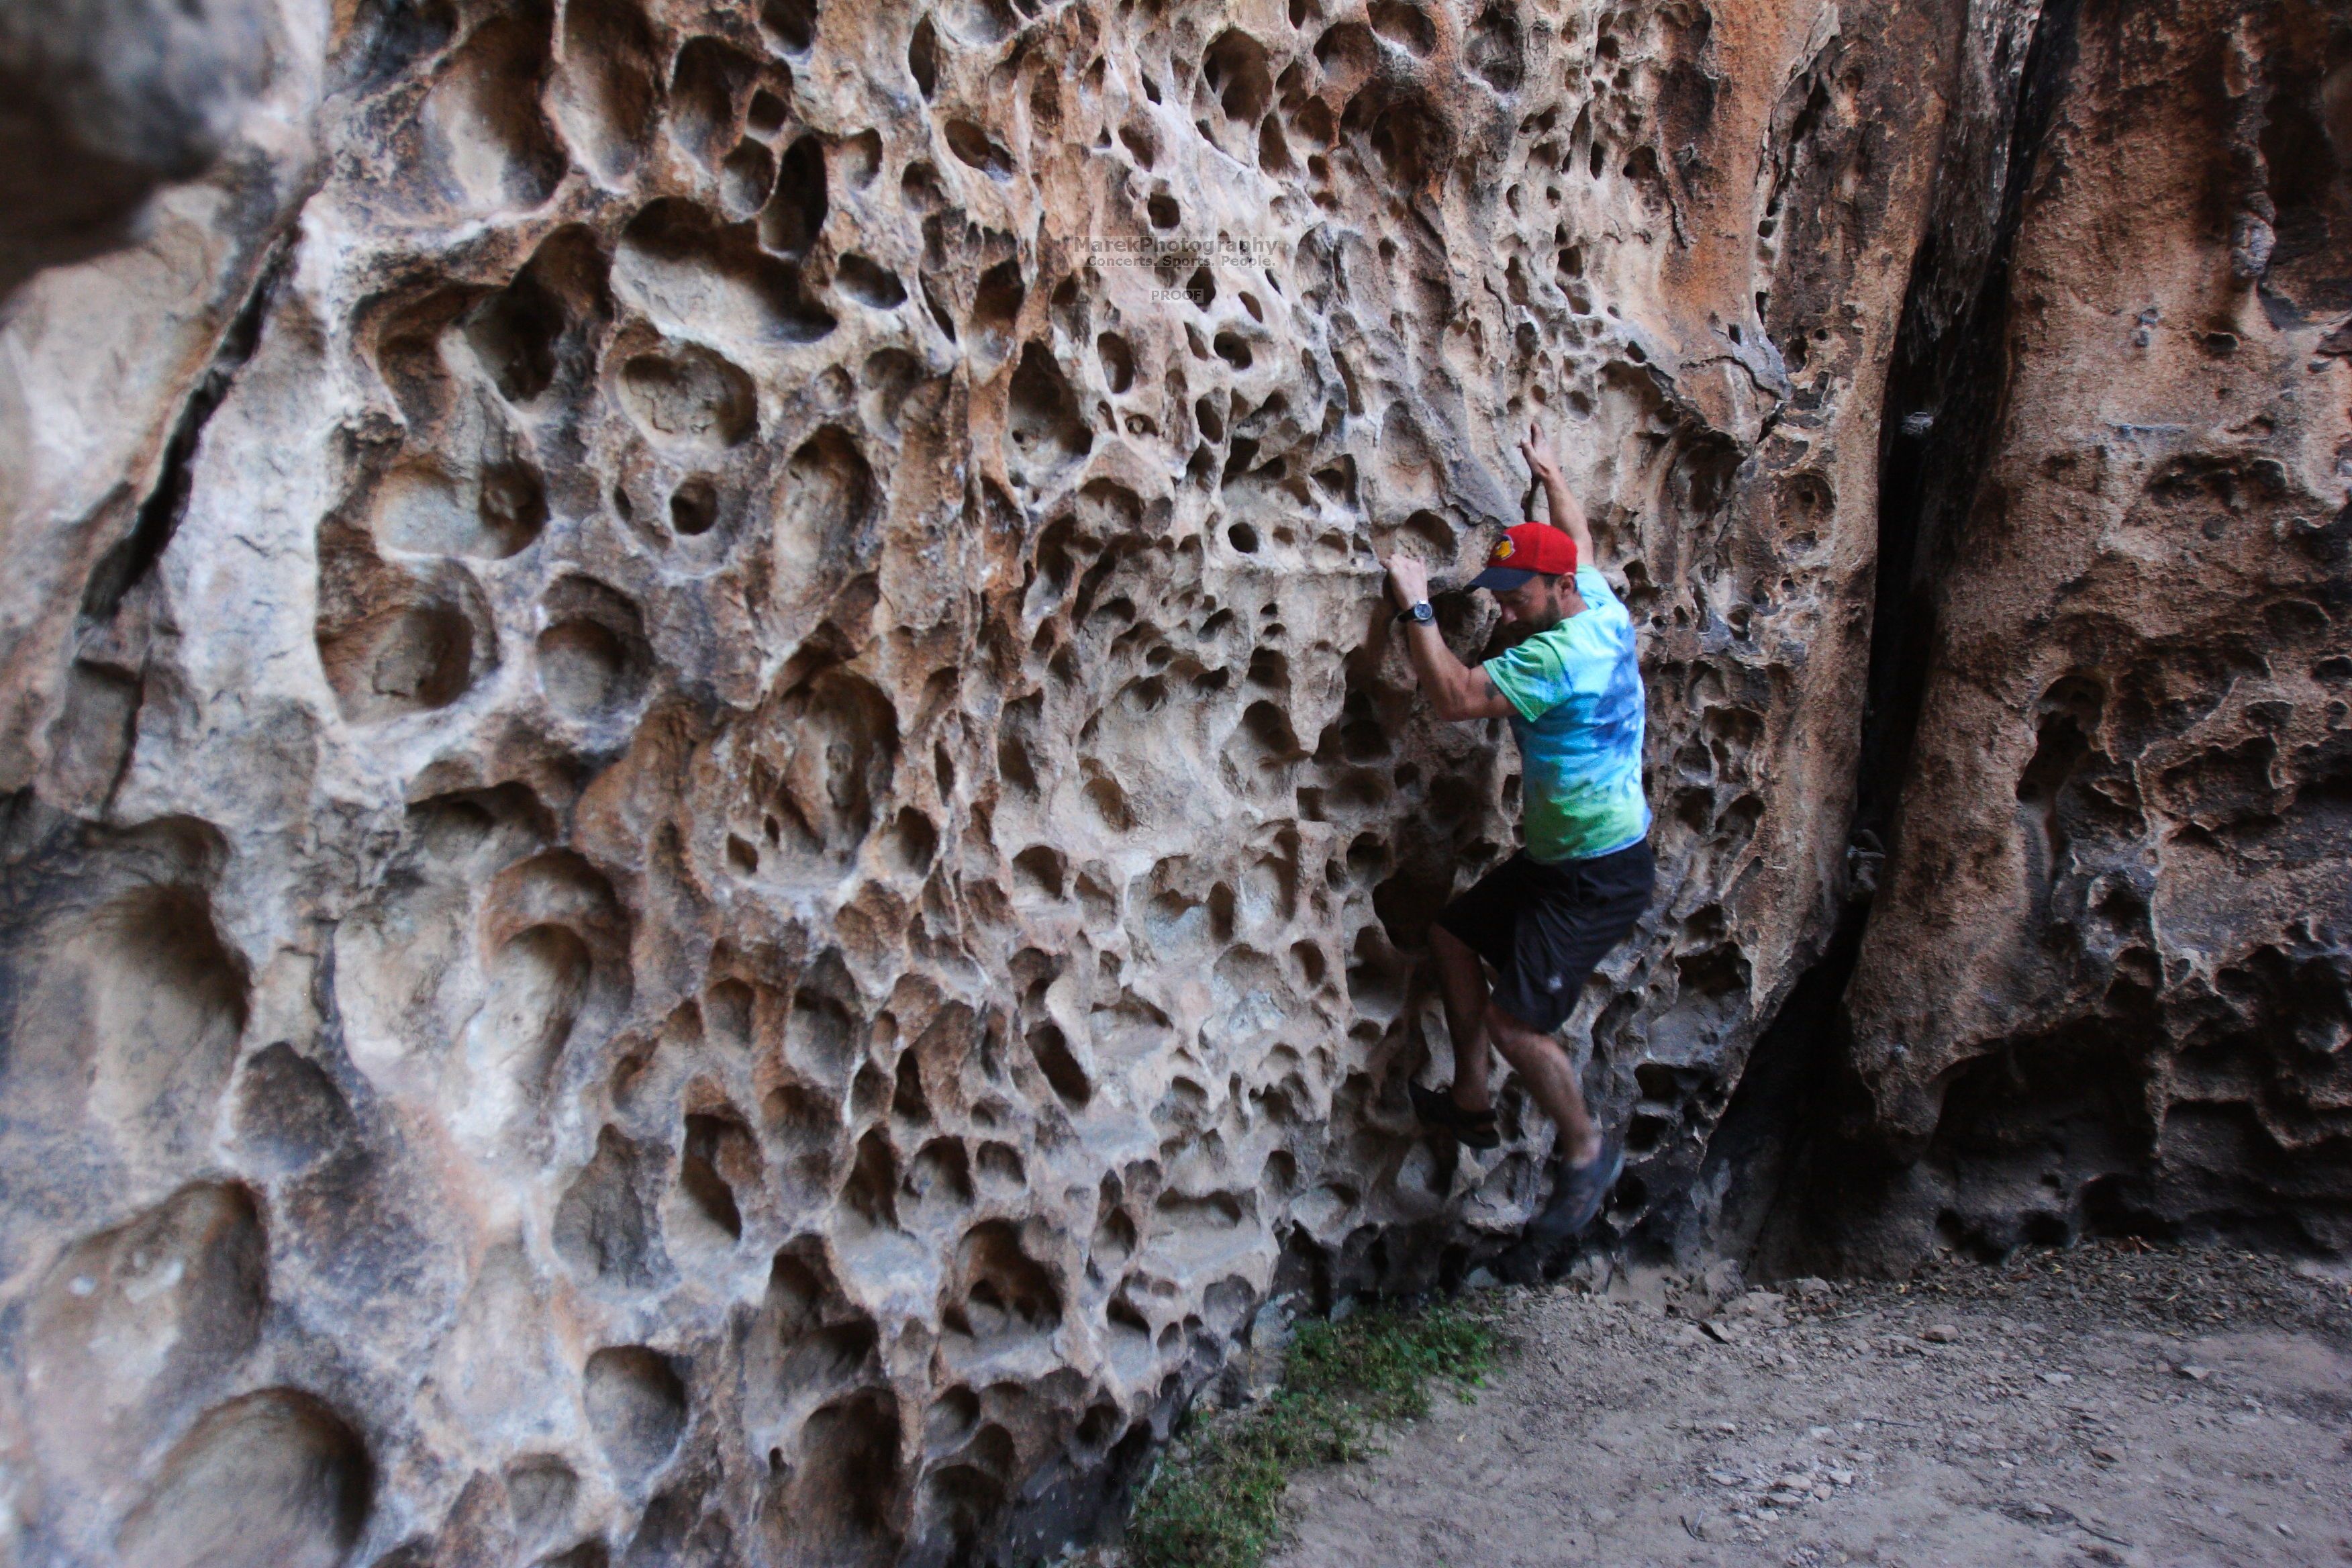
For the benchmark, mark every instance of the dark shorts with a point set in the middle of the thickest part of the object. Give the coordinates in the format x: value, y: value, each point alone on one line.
x: 1544, y: 927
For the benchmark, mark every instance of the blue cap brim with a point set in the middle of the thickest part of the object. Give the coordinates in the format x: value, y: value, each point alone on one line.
x: 1499, y: 579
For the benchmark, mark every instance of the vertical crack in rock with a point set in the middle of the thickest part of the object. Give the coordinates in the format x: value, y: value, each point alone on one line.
x: 1945, y: 387
x: 166, y: 501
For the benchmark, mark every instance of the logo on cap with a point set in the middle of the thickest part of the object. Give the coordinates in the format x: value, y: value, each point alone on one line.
x: 1530, y: 550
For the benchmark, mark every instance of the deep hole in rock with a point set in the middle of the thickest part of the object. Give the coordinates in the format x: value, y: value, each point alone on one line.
x: 1117, y: 362
x: 1235, y: 71
x: 792, y: 21
x: 766, y: 115
x: 797, y: 210
x: 870, y: 284
x: 826, y: 500
x: 424, y: 510
x: 693, y: 507
x: 605, y: 89
x: 604, y: 1227
x: 707, y: 90
x: 1496, y: 51
x: 833, y: 1506
x: 996, y: 303
x: 710, y: 1144
x: 521, y: 334
x: 394, y: 643
x: 745, y: 178
x: 637, y: 1406
x: 859, y: 159
x: 1045, y: 422
x: 1051, y: 1049
x: 1004, y: 1291
x: 715, y: 281
x: 1404, y: 24
x: 690, y: 395
x: 941, y: 1176
x: 969, y: 143
x: 593, y: 659
x: 923, y: 58
x: 266, y: 1480
x: 960, y: 1502
x: 485, y: 140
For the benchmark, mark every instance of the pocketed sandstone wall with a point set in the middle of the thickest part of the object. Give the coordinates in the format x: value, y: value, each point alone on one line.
x: 717, y: 849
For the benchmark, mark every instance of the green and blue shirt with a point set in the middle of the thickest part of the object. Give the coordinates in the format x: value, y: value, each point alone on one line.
x: 1577, y: 709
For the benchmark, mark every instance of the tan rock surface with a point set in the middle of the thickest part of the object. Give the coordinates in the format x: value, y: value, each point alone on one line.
x: 2107, y: 983
x: 718, y: 850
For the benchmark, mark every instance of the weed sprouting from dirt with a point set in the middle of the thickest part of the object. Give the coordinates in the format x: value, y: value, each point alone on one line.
x: 1216, y: 1500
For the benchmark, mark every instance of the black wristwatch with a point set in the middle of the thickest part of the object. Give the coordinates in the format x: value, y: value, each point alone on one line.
x: 1422, y: 614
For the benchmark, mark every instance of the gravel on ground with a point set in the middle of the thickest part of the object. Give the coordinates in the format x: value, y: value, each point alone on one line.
x: 2113, y: 1403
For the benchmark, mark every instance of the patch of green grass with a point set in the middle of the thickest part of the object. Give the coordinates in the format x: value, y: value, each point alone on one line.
x: 1216, y: 1499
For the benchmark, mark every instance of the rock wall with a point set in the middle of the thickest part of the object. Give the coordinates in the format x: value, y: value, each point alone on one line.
x: 718, y: 850
x: 2105, y: 983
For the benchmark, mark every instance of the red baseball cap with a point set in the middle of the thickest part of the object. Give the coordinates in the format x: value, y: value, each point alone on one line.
x: 1523, y: 552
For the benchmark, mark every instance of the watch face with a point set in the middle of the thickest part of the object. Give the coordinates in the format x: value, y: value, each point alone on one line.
x: 1424, y: 612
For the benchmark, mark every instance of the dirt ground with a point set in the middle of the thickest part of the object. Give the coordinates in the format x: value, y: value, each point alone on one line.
x: 2104, y: 1405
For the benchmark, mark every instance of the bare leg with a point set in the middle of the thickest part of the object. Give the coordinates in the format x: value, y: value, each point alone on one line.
x: 1549, y: 1078
x: 1462, y: 983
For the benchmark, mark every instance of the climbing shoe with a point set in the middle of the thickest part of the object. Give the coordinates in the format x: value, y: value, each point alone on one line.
x: 1576, y: 1195
x: 1471, y: 1129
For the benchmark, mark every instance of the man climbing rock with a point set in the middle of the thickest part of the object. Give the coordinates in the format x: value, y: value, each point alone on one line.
x: 1571, y: 687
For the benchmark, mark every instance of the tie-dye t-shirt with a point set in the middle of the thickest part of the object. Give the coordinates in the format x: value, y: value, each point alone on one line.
x: 1577, y: 694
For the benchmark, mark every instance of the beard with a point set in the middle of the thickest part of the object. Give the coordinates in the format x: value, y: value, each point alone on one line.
x: 1509, y: 635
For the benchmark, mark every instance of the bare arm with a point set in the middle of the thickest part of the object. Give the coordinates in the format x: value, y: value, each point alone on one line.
x: 1566, y: 515
x: 1456, y: 691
